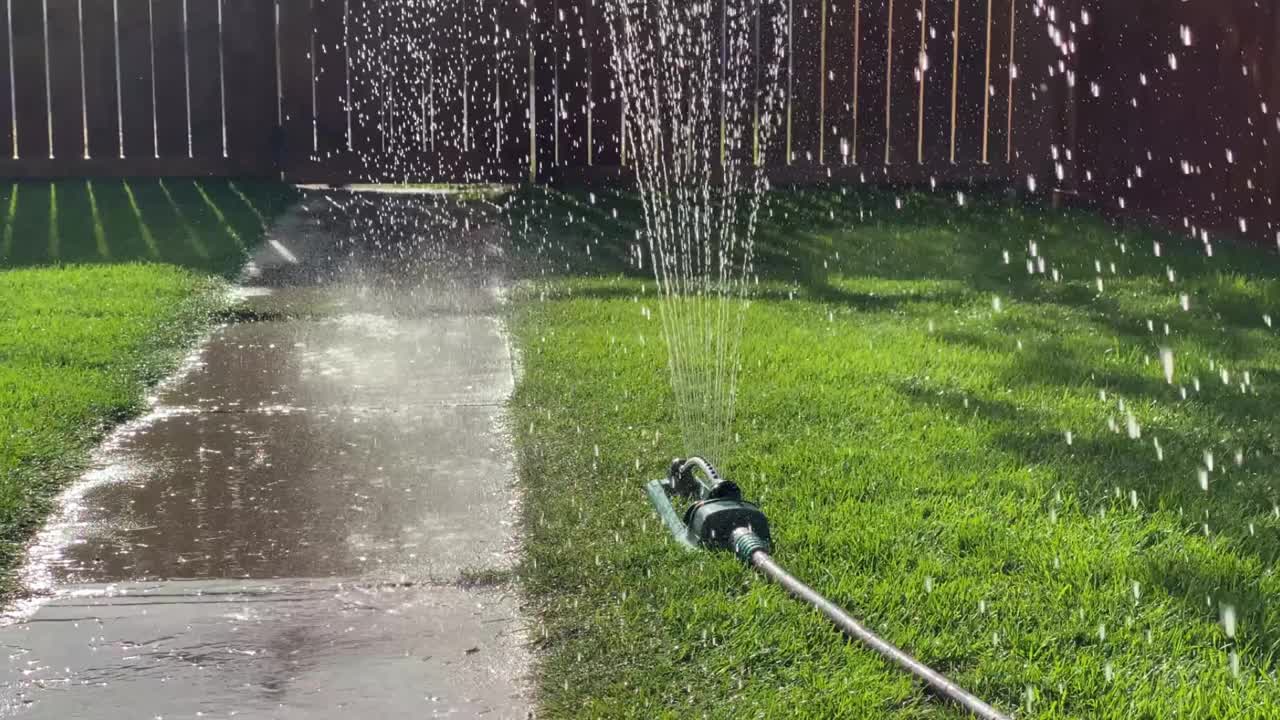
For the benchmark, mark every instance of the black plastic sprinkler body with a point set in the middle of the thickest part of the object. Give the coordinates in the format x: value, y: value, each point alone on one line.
x: 719, y: 518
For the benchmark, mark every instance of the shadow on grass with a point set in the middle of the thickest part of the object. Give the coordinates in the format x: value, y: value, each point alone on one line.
x: 204, y: 225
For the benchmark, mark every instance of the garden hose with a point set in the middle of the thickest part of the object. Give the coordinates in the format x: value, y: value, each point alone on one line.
x: 754, y: 552
x: 719, y: 518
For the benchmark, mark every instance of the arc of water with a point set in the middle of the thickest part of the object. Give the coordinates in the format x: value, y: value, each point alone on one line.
x: 701, y: 195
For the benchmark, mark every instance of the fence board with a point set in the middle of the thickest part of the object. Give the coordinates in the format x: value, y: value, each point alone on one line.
x: 170, y: 79
x: 8, y: 143
x: 838, y: 129
x: 513, y: 66
x: 204, y: 42
x: 936, y: 135
x: 363, y: 35
x: 607, y: 109
x: 100, y: 63
x: 545, y: 31
x: 971, y: 86
x: 775, y: 43
x: 999, y: 149
x: 296, y: 28
x: 873, y: 81
x: 453, y: 117
x: 331, y: 29
x: 742, y: 85
x: 806, y: 81
x: 780, y: 149
x: 66, y: 108
x: 572, y: 58
x: 395, y: 98
x: 717, y: 100
x: 29, y: 81
x: 402, y: 88
x: 1271, y: 124
x: 248, y: 36
x: 904, y: 81
x: 1039, y: 120
x: 1243, y: 65
x: 137, y: 111
x: 436, y: 68
x: 481, y: 91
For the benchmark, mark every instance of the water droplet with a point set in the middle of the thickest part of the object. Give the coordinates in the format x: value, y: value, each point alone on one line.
x: 1131, y: 427
x: 1166, y: 364
x: 1228, y: 615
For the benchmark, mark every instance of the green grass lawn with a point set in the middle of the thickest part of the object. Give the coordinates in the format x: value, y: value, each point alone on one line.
x: 1011, y: 494
x: 103, y: 285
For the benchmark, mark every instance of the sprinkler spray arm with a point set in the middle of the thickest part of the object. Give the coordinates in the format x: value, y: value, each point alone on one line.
x: 719, y: 518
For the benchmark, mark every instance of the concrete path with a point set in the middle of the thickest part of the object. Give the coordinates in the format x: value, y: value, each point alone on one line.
x: 315, y: 518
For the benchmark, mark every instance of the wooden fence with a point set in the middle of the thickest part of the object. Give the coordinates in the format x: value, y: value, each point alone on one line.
x: 1079, y: 96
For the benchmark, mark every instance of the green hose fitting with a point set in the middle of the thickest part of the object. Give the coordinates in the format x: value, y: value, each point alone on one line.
x: 746, y: 543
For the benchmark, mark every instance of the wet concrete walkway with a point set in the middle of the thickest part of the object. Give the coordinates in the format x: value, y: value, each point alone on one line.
x: 315, y: 518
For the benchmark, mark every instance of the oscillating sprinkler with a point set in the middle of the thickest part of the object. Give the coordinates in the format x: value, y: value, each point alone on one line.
x: 718, y: 518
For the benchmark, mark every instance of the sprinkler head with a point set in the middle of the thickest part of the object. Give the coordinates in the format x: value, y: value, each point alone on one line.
x: 717, y: 509
x: 712, y: 522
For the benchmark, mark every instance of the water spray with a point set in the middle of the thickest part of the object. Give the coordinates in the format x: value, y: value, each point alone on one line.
x: 718, y: 518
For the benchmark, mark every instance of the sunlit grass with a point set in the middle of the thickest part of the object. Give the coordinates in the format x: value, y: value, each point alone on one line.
x: 909, y: 442
x: 87, y: 321
x: 193, y: 240
x: 99, y: 232
x: 153, y: 251
x: 198, y: 224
